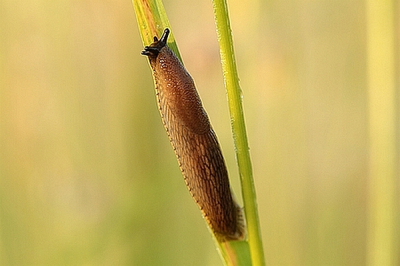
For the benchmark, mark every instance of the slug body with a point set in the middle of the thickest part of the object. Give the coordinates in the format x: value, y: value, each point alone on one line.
x: 194, y: 142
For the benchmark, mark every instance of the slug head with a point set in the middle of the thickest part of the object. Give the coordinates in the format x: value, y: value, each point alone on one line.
x: 155, y: 48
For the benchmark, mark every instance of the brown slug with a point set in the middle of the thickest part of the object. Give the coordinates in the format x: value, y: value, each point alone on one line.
x: 194, y: 142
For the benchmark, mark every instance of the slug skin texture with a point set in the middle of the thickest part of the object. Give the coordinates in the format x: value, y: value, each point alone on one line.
x: 194, y: 142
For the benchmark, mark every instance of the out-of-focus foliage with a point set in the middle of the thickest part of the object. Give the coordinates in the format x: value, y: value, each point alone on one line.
x: 88, y: 177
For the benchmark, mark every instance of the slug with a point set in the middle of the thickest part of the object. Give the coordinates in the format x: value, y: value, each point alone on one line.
x: 194, y: 142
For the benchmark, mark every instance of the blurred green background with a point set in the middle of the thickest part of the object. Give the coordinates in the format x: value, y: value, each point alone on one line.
x: 88, y: 176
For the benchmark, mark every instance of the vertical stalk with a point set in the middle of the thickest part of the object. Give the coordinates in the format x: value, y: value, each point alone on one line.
x: 382, y: 132
x: 239, y: 130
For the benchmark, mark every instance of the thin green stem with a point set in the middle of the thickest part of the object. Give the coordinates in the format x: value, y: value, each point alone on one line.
x: 239, y: 130
x: 382, y: 133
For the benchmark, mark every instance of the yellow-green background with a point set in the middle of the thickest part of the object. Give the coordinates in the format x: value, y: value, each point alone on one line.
x: 88, y: 177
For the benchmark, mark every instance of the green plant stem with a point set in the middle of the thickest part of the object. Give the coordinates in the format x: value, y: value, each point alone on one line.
x: 382, y: 203
x: 239, y: 130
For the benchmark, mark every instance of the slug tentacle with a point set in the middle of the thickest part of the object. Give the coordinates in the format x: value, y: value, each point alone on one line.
x: 194, y: 142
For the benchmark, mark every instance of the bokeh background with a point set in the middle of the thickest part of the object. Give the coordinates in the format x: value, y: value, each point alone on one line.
x: 88, y: 176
